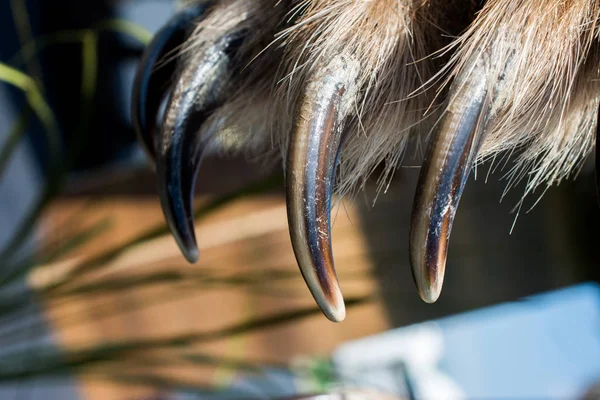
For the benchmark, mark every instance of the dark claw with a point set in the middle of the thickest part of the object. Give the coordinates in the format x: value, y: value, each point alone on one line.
x: 448, y: 161
x: 199, y: 90
x: 155, y: 72
x: 311, y: 163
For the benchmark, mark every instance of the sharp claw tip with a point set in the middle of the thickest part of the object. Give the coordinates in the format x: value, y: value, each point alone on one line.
x: 335, y: 313
x: 334, y: 307
x: 430, y: 295
x: 189, y: 250
x: 430, y: 288
x: 191, y: 255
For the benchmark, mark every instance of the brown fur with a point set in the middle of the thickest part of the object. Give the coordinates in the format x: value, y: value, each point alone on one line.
x: 542, y: 65
x: 543, y: 78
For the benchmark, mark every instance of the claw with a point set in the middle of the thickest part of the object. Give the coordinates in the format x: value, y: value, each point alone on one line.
x: 154, y: 74
x: 312, y: 158
x: 448, y: 161
x: 185, y: 135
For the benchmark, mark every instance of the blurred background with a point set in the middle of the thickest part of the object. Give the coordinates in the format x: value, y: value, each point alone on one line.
x: 96, y: 301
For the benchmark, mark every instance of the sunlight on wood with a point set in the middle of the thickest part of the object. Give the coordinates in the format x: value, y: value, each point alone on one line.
x: 150, y: 293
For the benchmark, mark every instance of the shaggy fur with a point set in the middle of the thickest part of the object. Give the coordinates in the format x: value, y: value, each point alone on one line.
x: 543, y: 83
x: 541, y: 62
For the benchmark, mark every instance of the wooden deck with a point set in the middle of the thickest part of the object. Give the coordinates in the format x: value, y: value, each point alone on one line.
x: 190, y: 323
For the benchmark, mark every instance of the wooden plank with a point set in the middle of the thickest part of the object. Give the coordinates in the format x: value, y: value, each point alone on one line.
x: 244, y: 240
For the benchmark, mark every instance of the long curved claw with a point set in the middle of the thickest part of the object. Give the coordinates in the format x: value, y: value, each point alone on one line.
x: 154, y: 74
x: 184, y: 135
x: 312, y: 158
x: 448, y: 161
